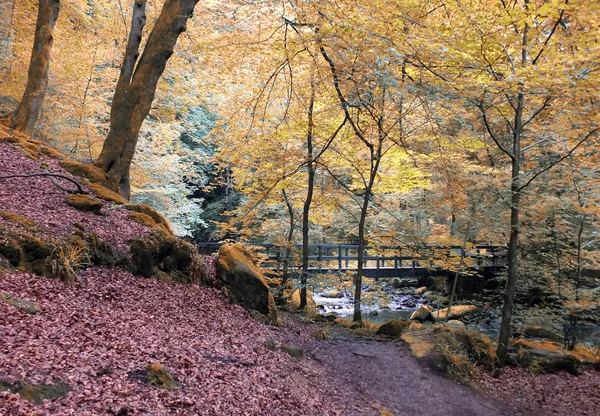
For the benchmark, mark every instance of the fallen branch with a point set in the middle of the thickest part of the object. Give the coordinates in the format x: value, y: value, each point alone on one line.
x: 51, y: 175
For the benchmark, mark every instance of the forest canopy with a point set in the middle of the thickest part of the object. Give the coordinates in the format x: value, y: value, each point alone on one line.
x: 400, y: 123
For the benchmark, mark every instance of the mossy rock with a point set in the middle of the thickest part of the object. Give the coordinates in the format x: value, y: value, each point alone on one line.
x: 36, y: 393
x: 143, y: 219
x: 270, y: 344
x: 90, y: 172
x: 155, y: 375
x: 455, y: 312
x: 535, y: 331
x: 18, y: 220
x: 101, y: 253
x: 394, y: 328
x: 84, y: 203
x: 51, y: 153
x: 25, y: 305
x: 25, y: 251
x: 10, y: 249
x: 453, y: 351
x: 293, y: 299
x: 151, y: 212
x: 159, y: 253
x: 106, y: 194
x: 244, y: 281
x: 294, y: 351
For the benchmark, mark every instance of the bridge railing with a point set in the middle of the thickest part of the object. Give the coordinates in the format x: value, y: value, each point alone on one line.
x: 344, y: 257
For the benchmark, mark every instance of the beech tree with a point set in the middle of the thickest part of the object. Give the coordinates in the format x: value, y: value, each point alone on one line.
x: 28, y: 111
x: 137, y: 84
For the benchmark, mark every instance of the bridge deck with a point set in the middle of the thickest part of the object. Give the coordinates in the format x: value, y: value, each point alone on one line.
x: 329, y: 258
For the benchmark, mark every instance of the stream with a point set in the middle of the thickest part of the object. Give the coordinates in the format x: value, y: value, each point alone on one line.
x: 382, y: 302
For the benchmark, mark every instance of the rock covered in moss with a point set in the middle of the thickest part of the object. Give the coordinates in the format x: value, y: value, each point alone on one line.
x: 158, y: 221
x: 393, y: 328
x: 536, y: 331
x: 244, y: 282
x: 422, y: 314
x: 292, y: 350
x: 35, y: 393
x: 155, y: 375
x: 455, y: 312
x: 25, y: 305
x: 106, y: 194
x: 168, y: 258
x: 84, y: 203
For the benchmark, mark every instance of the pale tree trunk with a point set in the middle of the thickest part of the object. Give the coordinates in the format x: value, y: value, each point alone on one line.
x: 137, y: 85
x: 28, y: 111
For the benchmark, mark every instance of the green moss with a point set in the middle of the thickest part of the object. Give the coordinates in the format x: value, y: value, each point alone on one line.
x: 143, y: 219
x: 294, y: 351
x: 36, y: 393
x: 394, y: 328
x: 84, y: 203
x: 23, y: 304
x: 90, y: 172
x: 18, y: 220
x: 159, y: 376
x: 11, y: 251
x: 106, y: 194
x: 160, y: 253
x: 151, y: 212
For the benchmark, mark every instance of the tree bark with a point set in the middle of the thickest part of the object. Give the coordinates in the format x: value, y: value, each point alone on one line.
x: 136, y: 86
x: 287, y: 257
x: 511, y: 282
x: 310, y: 166
x: 28, y: 111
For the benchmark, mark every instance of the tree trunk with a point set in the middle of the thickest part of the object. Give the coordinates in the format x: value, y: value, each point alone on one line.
x: 136, y: 88
x: 309, y: 195
x: 28, y: 111
x: 287, y: 257
x: 361, y: 250
x: 511, y: 283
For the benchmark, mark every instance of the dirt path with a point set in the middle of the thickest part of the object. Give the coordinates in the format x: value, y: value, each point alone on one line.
x: 384, y: 375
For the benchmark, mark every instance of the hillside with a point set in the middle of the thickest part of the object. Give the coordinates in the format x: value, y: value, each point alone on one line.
x: 104, y: 311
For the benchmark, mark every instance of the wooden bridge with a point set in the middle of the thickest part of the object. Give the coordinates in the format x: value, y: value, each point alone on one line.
x: 381, y: 262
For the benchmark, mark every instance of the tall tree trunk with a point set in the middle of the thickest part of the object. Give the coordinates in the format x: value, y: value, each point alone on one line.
x: 28, y: 111
x: 309, y: 195
x: 136, y: 86
x: 511, y: 283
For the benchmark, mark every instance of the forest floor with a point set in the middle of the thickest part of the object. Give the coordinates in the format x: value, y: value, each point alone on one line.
x: 88, y: 343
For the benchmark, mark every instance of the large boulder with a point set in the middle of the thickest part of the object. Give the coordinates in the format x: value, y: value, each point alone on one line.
x: 422, y: 314
x: 394, y: 328
x: 243, y: 281
x: 455, y: 312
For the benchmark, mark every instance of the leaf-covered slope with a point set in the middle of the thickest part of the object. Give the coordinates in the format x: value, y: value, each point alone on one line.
x: 94, y: 336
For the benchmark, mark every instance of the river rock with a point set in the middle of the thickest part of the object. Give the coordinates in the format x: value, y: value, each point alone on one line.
x: 535, y: 331
x: 244, y: 282
x: 456, y: 323
x: 422, y: 314
x: 421, y: 290
x: 333, y: 294
x: 455, y: 312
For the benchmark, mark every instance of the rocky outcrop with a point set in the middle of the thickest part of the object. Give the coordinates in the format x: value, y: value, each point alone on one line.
x: 243, y: 281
